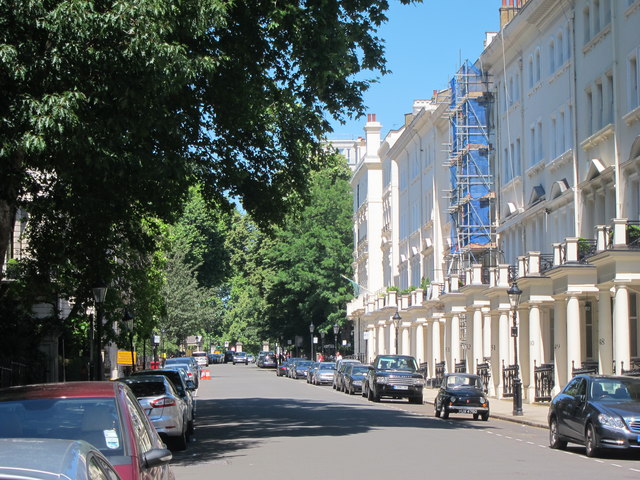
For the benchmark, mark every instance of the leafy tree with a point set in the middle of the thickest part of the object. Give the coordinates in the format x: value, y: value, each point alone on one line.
x: 111, y: 110
x: 309, y: 254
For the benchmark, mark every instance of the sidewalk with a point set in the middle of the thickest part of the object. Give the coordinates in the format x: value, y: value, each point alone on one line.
x: 533, y: 414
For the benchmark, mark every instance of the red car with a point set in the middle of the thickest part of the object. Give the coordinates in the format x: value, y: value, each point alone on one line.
x: 105, y: 414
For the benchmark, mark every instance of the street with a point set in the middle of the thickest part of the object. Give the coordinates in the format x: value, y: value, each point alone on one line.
x: 251, y: 423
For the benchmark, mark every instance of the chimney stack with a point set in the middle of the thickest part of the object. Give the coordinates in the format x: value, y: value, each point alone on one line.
x: 507, y: 12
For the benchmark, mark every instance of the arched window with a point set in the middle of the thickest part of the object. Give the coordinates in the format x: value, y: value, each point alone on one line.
x: 538, y: 73
x: 552, y: 57
x: 530, y: 68
x: 560, y: 48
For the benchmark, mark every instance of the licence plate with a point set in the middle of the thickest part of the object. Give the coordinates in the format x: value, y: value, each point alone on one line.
x: 468, y: 410
x: 401, y: 387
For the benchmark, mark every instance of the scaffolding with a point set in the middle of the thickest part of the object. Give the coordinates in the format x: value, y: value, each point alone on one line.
x: 472, y: 195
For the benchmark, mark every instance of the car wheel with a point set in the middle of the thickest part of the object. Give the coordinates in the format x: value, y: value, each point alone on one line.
x: 554, y: 436
x: 591, y: 442
x: 350, y: 390
x: 444, y: 412
x: 436, y: 410
x: 418, y: 400
x: 475, y: 416
x: 180, y: 443
x: 369, y: 395
x: 485, y: 416
x: 190, y: 427
x: 375, y: 397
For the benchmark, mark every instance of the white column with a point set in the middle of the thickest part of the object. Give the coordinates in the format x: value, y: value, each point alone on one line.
x: 428, y: 347
x: 420, y: 353
x: 605, y: 335
x: 381, y: 340
x: 504, y: 347
x: 523, y: 349
x: 535, y: 346
x: 436, y: 353
x: 454, y: 342
x: 621, y: 343
x: 486, y: 335
x: 406, y: 344
x: 561, y: 376
x: 477, y: 341
x: 393, y: 335
x: 371, y: 344
x: 574, y: 346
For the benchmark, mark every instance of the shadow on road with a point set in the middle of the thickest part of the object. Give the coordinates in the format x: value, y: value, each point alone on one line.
x: 225, y: 427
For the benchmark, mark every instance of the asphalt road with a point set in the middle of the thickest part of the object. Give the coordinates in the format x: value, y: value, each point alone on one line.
x: 253, y: 424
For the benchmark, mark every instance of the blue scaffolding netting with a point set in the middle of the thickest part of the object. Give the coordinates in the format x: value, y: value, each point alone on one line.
x: 470, y: 173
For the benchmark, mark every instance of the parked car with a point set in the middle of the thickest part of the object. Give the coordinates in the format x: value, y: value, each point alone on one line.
x: 104, y: 414
x: 164, y: 407
x: 313, y: 368
x: 215, y: 358
x: 38, y: 459
x: 291, y: 361
x: 353, y: 376
x: 462, y: 393
x: 183, y: 385
x: 300, y: 369
x: 251, y: 358
x: 240, y: 357
x: 324, y: 374
x: 281, y: 370
x: 188, y: 364
x: 597, y: 411
x: 394, y: 376
x: 268, y: 360
x: 228, y: 356
x: 201, y: 358
x: 337, y: 374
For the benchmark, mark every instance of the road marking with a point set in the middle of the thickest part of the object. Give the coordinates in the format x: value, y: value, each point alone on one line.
x: 616, y: 465
x: 634, y: 470
x: 531, y: 443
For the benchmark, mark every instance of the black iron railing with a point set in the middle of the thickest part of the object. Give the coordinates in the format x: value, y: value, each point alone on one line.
x: 440, y: 368
x: 544, y: 380
x: 423, y: 369
x: 484, y: 371
x: 587, y: 247
x: 461, y: 367
x: 635, y: 368
x: 546, y: 262
x: 633, y: 234
x: 14, y: 373
x: 587, y: 367
x: 513, y: 273
x: 509, y: 374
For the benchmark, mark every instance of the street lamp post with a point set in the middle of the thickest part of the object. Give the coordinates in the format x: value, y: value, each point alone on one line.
x: 311, y: 329
x: 336, y: 329
x: 322, y: 334
x: 396, y: 323
x: 127, y: 320
x: 99, y: 294
x: 514, y: 299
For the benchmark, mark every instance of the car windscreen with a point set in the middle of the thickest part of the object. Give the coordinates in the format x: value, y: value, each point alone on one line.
x: 358, y: 370
x: 94, y: 420
x: 616, y: 389
x: 463, y: 381
x: 147, y: 389
x: 407, y: 364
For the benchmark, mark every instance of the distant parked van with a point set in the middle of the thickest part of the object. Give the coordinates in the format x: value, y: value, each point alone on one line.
x: 201, y: 358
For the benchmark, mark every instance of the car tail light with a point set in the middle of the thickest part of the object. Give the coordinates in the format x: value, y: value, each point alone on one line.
x: 163, y: 402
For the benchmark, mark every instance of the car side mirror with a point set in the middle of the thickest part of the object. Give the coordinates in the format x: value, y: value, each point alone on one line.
x: 191, y: 385
x: 157, y: 456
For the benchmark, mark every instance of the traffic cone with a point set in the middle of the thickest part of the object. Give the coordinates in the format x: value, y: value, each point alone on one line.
x: 207, y: 374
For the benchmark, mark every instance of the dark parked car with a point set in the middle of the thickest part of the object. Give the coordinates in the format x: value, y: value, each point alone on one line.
x: 228, y: 356
x: 300, y: 369
x: 190, y: 366
x: 394, y: 376
x: 281, y: 370
x: 598, y: 412
x: 337, y: 374
x: 104, y: 414
x: 183, y: 385
x: 41, y: 459
x: 268, y: 360
x: 462, y: 393
x: 352, y: 377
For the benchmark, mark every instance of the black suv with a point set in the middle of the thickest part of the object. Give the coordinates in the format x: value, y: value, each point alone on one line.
x: 394, y: 376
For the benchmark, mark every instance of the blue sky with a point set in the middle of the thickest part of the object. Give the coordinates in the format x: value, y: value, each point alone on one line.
x: 425, y: 44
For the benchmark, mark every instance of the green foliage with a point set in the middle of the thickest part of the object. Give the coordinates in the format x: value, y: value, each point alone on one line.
x: 392, y: 288
x: 425, y: 282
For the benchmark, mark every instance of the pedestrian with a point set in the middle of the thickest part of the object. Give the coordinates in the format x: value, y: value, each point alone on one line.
x: 338, y: 356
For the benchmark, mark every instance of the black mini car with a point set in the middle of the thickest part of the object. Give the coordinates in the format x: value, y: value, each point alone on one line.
x: 462, y: 393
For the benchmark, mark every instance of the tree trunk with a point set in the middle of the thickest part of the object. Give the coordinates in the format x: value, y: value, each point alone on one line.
x: 9, y: 188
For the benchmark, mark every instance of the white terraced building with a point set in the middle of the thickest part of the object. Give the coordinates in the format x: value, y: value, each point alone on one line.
x: 560, y: 208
